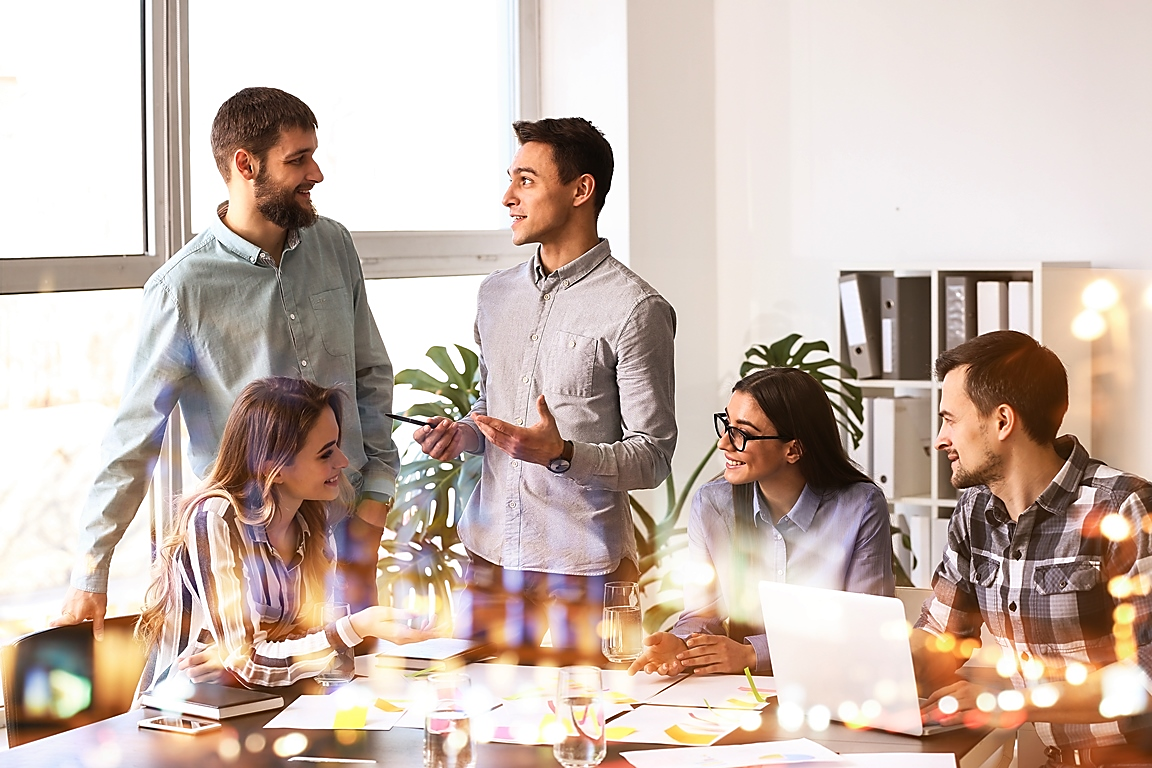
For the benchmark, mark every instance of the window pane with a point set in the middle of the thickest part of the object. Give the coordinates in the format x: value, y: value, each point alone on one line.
x: 413, y: 100
x: 402, y: 311
x: 70, y: 129
x: 64, y: 358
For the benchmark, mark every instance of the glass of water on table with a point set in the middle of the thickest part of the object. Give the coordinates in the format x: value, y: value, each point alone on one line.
x: 580, y: 711
x: 622, y: 634
x: 342, y: 668
x: 448, y: 739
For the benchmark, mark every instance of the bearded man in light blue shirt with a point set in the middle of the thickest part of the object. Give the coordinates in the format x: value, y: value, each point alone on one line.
x: 270, y: 288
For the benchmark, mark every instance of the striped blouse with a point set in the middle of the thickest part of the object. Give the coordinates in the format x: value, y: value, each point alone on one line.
x: 236, y: 591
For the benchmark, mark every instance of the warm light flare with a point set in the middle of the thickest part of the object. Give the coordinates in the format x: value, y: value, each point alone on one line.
x: 1100, y: 295
x: 1045, y: 696
x: 1089, y: 325
x: 1115, y: 527
x: 1076, y: 673
x: 1033, y: 669
x: 986, y: 702
x: 1010, y: 701
x: 948, y: 705
x: 819, y: 718
x: 1006, y: 666
x: 290, y: 745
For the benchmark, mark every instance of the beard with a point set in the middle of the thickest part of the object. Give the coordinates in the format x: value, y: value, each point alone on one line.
x: 279, y: 205
x: 990, y: 471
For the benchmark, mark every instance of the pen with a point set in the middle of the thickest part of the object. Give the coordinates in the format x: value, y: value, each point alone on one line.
x: 348, y: 760
x: 407, y: 419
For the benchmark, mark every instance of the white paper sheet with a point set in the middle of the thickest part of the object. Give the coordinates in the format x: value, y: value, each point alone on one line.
x: 795, y: 751
x: 528, y: 721
x: 320, y: 713
x: 679, y: 726
x: 717, y: 691
x: 891, y: 760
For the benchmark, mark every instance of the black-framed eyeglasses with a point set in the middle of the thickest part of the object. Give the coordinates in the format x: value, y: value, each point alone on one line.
x: 737, y: 436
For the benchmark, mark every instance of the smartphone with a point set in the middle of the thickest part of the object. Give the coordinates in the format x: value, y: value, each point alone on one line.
x: 179, y: 724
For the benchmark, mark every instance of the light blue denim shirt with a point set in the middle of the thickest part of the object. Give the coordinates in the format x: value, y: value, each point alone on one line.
x: 837, y: 539
x: 217, y: 315
x: 597, y: 342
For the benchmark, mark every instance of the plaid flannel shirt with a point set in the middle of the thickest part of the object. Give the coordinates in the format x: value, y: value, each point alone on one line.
x: 1041, y: 583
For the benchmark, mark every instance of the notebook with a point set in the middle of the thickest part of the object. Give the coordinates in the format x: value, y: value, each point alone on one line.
x: 846, y: 651
x: 216, y: 702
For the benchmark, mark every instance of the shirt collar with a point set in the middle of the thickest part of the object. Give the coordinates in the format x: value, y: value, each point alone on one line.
x: 573, y: 271
x: 259, y: 533
x: 240, y: 247
x: 801, y: 514
x: 1060, y: 493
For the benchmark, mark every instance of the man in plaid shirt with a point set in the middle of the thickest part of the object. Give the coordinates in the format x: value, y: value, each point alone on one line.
x: 1052, y: 550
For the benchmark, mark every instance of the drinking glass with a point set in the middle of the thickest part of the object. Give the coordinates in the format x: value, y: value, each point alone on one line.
x: 447, y: 726
x: 622, y: 634
x: 342, y: 668
x: 580, y: 710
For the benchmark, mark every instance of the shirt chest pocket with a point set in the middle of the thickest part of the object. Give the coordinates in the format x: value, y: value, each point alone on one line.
x: 1058, y: 578
x: 567, y: 364
x: 333, y: 310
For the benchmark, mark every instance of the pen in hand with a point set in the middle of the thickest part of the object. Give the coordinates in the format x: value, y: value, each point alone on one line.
x: 408, y: 419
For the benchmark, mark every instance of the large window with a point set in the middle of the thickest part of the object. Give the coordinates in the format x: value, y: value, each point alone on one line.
x: 105, y: 135
x: 71, y: 129
x: 414, y: 102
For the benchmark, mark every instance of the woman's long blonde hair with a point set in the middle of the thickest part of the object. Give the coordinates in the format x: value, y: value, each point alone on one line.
x: 265, y: 431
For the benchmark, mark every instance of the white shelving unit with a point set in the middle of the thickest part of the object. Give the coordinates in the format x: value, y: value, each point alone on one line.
x: 1056, y: 290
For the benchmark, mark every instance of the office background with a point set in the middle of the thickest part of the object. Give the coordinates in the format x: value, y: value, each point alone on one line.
x: 762, y: 146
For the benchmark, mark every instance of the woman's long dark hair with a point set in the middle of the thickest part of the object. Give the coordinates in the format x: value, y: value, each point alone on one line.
x: 798, y: 407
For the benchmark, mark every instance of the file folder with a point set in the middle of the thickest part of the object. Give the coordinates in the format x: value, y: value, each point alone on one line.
x: 901, y: 443
x: 959, y: 310
x: 862, y: 455
x: 1020, y: 306
x: 905, y: 326
x: 991, y: 306
x: 860, y: 318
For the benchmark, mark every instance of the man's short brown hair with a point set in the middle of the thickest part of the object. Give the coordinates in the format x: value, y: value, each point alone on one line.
x: 1012, y: 368
x: 252, y: 120
x: 578, y: 147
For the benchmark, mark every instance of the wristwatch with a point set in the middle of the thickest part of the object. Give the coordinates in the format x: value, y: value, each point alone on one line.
x: 561, y: 464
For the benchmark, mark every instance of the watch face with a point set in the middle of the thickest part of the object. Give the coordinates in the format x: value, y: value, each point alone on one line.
x: 559, y: 465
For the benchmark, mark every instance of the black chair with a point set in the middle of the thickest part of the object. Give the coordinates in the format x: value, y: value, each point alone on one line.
x: 60, y: 678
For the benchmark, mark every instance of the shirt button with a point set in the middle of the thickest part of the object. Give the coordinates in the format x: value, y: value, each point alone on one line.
x: 515, y: 464
x: 780, y: 572
x: 535, y: 337
x: 1012, y: 605
x: 572, y: 344
x: 525, y: 379
x: 292, y: 316
x: 1024, y: 656
x: 511, y: 505
x: 1017, y: 555
x: 565, y: 283
x: 303, y: 363
x: 519, y: 421
x: 547, y: 296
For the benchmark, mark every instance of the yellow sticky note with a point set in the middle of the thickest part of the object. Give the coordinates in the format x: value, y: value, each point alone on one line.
x: 741, y: 704
x: 621, y: 698
x: 353, y: 717
x: 678, y: 734
x: 388, y: 706
x: 617, y: 732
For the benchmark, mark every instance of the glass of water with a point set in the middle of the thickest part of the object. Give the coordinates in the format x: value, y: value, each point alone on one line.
x: 622, y: 639
x: 342, y: 668
x: 448, y: 739
x: 580, y: 710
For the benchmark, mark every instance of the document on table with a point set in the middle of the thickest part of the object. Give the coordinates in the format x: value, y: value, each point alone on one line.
x: 510, y: 682
x: 791, y: 752
x: 530, y: 721
x: 679, y: 726
x: 717, y: 691
x: 331, y: 712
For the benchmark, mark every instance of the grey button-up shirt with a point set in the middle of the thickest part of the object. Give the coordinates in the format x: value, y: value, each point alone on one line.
x: 217, y: 315
x: 597, y: 342
x: 837, y: 539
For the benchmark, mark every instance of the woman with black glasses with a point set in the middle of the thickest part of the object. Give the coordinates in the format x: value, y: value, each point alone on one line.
x: 790, y: 507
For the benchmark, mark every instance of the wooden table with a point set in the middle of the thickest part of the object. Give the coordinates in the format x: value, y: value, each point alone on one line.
x: 243, y: 742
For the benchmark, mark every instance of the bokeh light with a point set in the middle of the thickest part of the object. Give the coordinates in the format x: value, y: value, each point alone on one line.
x: 790, y: 716
x: 290, y: 745
x: 1045, y: 696
x: 1033, y: 669
x: 1115, y: 527
x: 1076, y: 673
x: 1100, y: 295
x: 1089, y: 325
x: 948, y: 705
x: 986, y: 702
x: 1006, y: 665
x: 819, y: 717
x: 1010, y: 701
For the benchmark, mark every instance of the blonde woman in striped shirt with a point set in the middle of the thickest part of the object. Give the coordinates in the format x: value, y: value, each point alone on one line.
x: 235, y: 587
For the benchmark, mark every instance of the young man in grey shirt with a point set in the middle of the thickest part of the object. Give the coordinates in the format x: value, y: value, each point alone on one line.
x: 576, y: 406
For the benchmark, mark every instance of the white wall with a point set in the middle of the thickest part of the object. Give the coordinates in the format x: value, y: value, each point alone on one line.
x: 897, y: 131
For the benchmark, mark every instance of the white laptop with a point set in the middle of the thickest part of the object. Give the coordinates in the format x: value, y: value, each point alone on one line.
x: 846, y: 651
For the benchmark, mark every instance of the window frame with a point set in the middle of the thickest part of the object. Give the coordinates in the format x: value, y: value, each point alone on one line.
x: 166, y: 166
